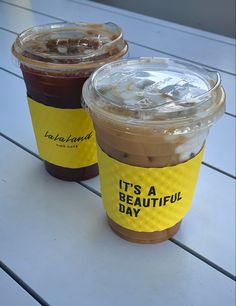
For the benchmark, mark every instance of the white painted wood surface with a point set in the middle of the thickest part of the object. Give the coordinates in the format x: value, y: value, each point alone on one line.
x: 45, y: 234
x: 12, y: 294
x: 55, y: 236
x: 203, y: 50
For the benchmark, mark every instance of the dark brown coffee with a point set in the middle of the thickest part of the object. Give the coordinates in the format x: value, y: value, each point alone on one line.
x: 55, y: 61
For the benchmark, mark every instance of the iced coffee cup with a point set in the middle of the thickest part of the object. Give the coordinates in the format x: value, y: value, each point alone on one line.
x: 56, y: 60
x: 152, y: 117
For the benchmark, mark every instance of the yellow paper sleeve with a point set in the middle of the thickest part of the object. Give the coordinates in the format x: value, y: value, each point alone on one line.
x: 147, y: 199
x: 65, y: 137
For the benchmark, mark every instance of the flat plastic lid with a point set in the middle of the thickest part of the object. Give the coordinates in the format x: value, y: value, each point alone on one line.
x: 150, y: 89
x: 68, y: 44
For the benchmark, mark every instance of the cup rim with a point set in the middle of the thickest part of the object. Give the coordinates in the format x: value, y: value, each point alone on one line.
x: 208, y: 109
x: 17, y: 49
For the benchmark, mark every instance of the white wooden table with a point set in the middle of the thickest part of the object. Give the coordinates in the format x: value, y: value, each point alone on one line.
x: 55, y: 245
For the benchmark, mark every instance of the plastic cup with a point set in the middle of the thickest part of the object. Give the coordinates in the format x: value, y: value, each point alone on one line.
x: 152, y: 117
x: 56, y: 60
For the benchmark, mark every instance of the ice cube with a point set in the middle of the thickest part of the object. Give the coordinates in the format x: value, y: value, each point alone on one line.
x: 143, y: 84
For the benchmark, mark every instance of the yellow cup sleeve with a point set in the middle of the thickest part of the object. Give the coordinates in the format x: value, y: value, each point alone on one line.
x: 147, y: 199
x: 65, y: 137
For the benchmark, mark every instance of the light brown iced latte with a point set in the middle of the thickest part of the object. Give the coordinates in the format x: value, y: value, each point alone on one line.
x: 152, y: 113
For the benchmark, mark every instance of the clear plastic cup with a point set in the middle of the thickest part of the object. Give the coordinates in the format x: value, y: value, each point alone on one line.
x: 151, y: 117
x: 56, y: 60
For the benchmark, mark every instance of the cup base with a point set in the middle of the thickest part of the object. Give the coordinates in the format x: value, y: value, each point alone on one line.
x: 143, y: 237
x: 71, y: 174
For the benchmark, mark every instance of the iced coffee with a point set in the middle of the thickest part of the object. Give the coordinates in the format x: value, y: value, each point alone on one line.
x: 152, y: 117
x: 56, y: 60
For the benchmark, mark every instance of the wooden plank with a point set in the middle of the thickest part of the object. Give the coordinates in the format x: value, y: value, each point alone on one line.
x: 13, y: 294
x: 213, y: 53
x: 63, y: 241
x: 157, y: 21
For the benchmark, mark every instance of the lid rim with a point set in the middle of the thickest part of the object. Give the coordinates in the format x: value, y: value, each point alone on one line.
x: 200, y: 96
x: 100, y: 56
x: 210, y: 108
x: 70, y: 67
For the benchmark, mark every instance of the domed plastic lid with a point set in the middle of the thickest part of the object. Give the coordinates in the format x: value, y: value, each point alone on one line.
x: 70, y: 45
x: 155, y: 90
